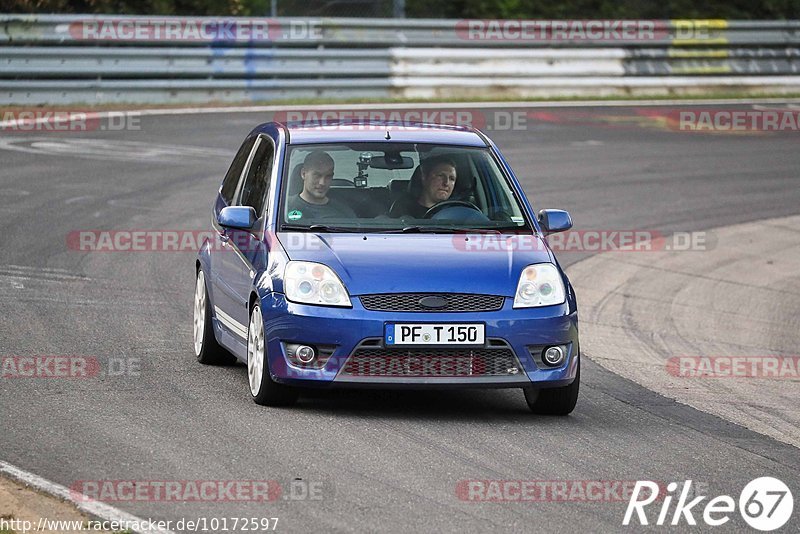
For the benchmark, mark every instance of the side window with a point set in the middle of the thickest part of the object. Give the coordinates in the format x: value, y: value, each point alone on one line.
x: 256, y: 183
x: 232, y: 177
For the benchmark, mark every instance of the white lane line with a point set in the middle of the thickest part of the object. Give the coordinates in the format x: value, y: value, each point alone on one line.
x: 78, y: 199
x: 43, y: 274
x: 124, y: 204
x: 95, y: 509
x: 42, y: 278
x: 35, y: 269
x: 102, y: 149
x: 14, y: 192
x: 12, y: 123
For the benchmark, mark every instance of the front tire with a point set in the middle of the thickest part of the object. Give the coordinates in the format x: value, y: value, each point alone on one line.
x: 264, y: 390
x: 554, y: 401
x: 206, y: 348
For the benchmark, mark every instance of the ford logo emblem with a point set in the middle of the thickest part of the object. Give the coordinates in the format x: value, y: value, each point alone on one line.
x: 433, y: 302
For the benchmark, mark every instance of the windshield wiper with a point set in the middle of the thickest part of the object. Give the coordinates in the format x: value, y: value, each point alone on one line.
x: 317, y: 228
x: 451, y: 230
x: 419, y: 230
x: 411, y: 229
x: 502, y: 229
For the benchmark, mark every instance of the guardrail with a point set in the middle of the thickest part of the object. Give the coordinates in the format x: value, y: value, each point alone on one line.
x: 58, y: 59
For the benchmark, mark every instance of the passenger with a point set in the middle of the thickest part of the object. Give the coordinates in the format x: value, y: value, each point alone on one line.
x: 437, y: 184
x: 313, y: 203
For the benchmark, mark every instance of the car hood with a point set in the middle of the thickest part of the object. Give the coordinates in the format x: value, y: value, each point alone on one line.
x: 442, y: 263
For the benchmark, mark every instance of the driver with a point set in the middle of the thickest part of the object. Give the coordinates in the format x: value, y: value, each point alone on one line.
x: 438, y: 181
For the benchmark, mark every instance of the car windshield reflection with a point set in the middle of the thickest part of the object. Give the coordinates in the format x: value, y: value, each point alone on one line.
x: 396, y: 188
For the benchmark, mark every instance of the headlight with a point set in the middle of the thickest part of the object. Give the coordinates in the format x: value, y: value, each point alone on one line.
x: 313, y: 283
x: 539, y: 285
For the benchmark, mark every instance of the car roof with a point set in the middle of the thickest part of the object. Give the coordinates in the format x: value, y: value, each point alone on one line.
x: 312, y: 132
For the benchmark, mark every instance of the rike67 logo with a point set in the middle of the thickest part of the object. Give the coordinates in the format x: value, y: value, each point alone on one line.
x: 765, y: 504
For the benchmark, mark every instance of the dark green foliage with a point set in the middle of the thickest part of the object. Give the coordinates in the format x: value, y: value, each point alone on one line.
x: 452, y: 9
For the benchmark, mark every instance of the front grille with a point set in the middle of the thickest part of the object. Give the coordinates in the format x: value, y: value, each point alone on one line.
x: 433, y: 362
x: 410, y: 302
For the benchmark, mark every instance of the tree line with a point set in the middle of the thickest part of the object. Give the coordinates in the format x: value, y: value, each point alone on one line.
x: 448, y: 9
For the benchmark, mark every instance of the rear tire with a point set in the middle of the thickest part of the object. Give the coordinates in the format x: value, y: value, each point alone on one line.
x: 554, y: 401
x: 206, y: 348
x: 264, y: 390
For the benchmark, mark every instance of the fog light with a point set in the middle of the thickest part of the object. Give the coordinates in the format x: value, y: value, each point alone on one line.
x: 308, y: 356
x: 554, y: 356
x: 305, y: 354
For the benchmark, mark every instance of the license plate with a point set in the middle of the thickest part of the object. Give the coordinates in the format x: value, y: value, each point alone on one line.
x: 434, y: 334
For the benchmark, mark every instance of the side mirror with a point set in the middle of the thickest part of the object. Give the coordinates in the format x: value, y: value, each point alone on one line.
x: 241, y: 217
x: 553, y: 221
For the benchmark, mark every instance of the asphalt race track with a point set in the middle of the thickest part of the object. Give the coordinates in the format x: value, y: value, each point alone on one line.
x: 385, y: 460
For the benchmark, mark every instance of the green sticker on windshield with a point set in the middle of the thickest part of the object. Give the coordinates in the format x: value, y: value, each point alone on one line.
x: 295, y: 214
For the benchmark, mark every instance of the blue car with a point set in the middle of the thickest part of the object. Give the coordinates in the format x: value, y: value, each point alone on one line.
x: 366, y: 254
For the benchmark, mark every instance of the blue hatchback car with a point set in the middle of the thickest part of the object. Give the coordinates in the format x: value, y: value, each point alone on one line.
x: 356, y: 254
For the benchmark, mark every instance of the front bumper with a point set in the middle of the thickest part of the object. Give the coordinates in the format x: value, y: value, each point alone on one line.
x: 523, y: 333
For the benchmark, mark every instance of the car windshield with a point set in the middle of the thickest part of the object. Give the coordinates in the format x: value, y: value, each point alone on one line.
x: 396, y: 187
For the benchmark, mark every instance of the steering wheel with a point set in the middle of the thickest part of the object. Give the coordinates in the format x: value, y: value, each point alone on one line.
x: 448, y: 204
